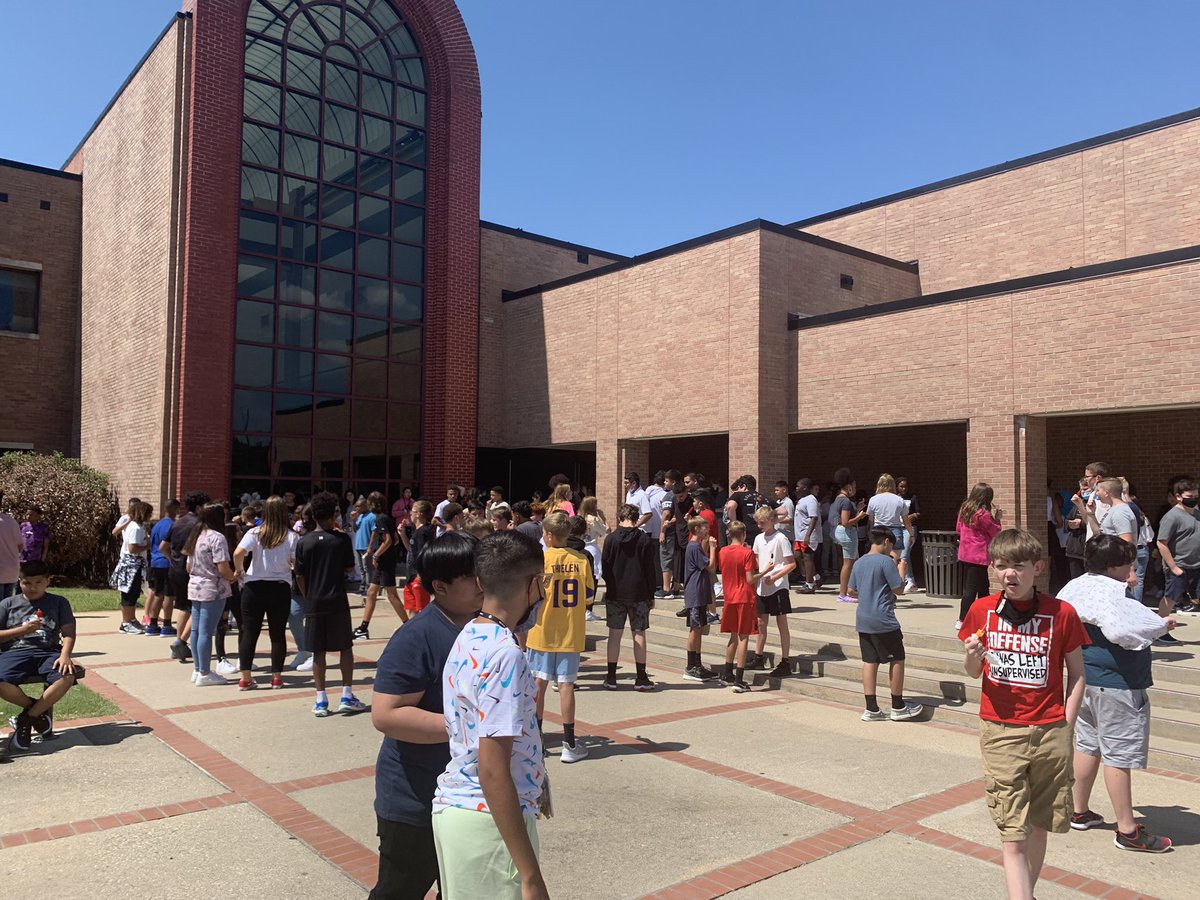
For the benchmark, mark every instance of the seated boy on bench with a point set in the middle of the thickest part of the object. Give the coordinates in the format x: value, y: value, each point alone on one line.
x: 37, y: 634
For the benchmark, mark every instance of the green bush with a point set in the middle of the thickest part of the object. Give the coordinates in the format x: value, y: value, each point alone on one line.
x: 77, y: 503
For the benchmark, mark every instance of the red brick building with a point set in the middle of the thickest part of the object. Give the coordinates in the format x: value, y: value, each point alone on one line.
x: 263, y: 269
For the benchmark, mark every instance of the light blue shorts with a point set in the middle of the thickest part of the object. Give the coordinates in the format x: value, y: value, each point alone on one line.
x: 548, y: 666
x: 847, y: 539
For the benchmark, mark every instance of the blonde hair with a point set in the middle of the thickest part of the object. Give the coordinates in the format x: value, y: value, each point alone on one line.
x: 1014, y: 545
x: 763, y: 514
x: 735, y: 531
x: 590, y: 506
x: 886, y: 484
x: 274, y: 528
x: 560, y: 495
x: 558, y: 525
x: 694, y: 525
x: 480, y: 528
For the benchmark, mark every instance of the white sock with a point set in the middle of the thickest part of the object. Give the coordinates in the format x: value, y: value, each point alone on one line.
x: 347, y: 693
x: 321, y: 697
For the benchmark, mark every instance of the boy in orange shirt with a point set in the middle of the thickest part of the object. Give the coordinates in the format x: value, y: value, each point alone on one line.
x: 739, y: 618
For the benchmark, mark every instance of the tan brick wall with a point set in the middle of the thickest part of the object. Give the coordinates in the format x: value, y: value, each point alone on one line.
x: 38, y: 396
x: 1109, y: 202
x: 509, y: 262
x: 128, y: 277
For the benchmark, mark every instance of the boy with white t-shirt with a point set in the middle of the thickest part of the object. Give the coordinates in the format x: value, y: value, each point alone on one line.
x: 775, y: 561
x: 808, y: 532
x: 489, y: 795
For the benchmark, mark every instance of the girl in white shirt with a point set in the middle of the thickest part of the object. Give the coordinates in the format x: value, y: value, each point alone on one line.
x: 266, y: 589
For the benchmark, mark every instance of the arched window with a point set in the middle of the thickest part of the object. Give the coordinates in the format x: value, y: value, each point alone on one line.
x: 331, y: 269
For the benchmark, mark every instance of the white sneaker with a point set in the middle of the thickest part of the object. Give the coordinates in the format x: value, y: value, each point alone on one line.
x: 874, y: 715
x: 591, y: 616
x: 910, y: 711
x: 303, y: 658
x: 576, y: 753
x: 957, y: 625
x: 195, y: 675
x: 210, y: 678
x: 225, y: 667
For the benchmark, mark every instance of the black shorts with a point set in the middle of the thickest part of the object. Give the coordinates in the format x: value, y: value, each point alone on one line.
x: 17, y: 666
x: 636, y: 611
x: 882, y: 648
x: 328, y: 630
x: 384, y: 573
x: 160, y: 583
x: 129, y: 598
x: 776, y: 604
x: 697, y: 617
x: 179, y: 585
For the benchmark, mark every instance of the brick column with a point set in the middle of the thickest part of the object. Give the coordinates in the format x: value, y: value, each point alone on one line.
x: 758, y: 451
x: 613, y: 459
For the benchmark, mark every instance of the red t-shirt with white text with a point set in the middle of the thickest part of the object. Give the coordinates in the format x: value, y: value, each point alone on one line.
x: 735, y: 562
x: 1023, y: 671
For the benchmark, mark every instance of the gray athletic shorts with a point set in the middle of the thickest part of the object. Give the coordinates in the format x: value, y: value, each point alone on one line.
x: 1114, y: 725
x: 666, y: 554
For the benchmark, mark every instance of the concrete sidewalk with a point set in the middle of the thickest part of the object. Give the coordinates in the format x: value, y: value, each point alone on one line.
x: 689, y: 792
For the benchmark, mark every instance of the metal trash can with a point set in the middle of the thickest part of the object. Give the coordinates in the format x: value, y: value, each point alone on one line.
x: 943, y: 574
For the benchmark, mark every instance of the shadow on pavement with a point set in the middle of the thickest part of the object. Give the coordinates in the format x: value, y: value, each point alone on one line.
x: 1178, y: 823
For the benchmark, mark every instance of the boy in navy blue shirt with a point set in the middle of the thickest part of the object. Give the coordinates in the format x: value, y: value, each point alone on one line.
x: 162, y: 597
x: 699, y: 564
x: 407, y: 709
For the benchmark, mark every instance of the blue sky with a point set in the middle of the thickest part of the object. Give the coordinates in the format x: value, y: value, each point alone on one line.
x: 632, y: 124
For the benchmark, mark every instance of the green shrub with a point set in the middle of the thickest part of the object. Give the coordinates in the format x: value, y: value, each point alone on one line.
x: 77, y: 503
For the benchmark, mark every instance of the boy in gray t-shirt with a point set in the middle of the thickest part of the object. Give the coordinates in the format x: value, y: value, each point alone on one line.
x: 875, y: 581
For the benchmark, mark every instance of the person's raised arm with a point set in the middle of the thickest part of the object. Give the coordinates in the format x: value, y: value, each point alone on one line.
x: 495, y: 779
x: 976, y: 650
x: 397, y: 716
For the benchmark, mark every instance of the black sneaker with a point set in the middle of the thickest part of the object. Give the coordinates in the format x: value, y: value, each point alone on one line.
x: 180, y: 651
x: 22, y: 734
x: 713, y: 618
x: 1187, y: 608
x: 806, y: 589
x: 362, y: 633
x: 707, y: 674
x: 694, y: 674
x: 643, y: 684
x: 740, y: 687
x: 131, y: 628
x: 1167, y: 639
x: 661, y: 595
x: 783, y: 669
x: 1142, y: 840
x: 1085, y: 820
x: 755, y: 661
x: 682, y: 613
x: 727, y: 681
x: 610, y: 684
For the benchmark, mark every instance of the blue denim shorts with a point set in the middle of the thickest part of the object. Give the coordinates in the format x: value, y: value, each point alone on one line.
x: 548, y: 666
x: 847, y: 539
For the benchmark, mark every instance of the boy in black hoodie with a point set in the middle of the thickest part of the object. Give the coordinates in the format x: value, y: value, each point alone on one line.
x: 627, y: 561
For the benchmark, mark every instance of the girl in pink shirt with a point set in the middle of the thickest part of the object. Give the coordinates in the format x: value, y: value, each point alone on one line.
x: 978, y: 522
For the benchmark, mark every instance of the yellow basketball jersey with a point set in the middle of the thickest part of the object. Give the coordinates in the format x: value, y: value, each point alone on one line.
x: 561, y: 626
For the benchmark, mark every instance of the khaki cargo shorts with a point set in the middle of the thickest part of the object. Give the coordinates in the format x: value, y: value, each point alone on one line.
x: 1028, y: 774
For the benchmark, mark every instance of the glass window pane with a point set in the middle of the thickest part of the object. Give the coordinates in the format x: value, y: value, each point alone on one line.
x: 260, y: 189
x: 377, y: 134
x: 377, y: 95
x: 335, y: 332
x: 293, y: 413
x: 298, y: 240
x: 295, y: 326
x: 261, y: 19
x: 252, y: 366
x: 404, y: 422
x: 359, y: 32
x: 297, y: 284
x: 408, y: 263
x: 374, y: 215
x: 375, y: 174
x: 339, y: 165
x: 410, y: 105
x: 303, y: 71
x: 370, y: 377
x: 333, y: 374
x: 372, y: 297
x: 294, y: 370
x: 332, y: 415
x: 303, y: 113
x: 402, y: 42
x: 255, y: 321
x: 342, y: 54
x: 404, y: 383
x: 384, y: 17
x: 410, y: 145
x: 300, y: 198
x: 337, y: 289
x: 408, y: 302
x: 331, y: 459
x: 341, y: 83
x: 378, y: 60
x: 293, y: 457
x: 337, y: 248
x: 337, y: 207
x: 258, y: 233
x: 328, y: 19
x: 260, y: 145
x: 409, y: 224
x: 251, y: 411
x: 370, y: 462
x: 261, y: 101
x: 341, y: 124
x: 409, y: 184
x: 406, y: 344
x: 263, y: 58
x: 411, y: 70
x: 256, y: 277
x: 369, y: 423
x: 373, y: 255
x: 251, y: 454
x: 304, y: 33
x: 300, y: 155
x: 370, y: 337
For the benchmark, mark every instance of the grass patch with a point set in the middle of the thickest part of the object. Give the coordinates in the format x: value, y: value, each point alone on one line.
x: 85, y: 600
x: 79, y: 703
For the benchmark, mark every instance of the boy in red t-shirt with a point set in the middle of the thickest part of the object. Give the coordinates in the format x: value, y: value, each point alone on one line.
x: 739, y: 618
x: 1020, y: 640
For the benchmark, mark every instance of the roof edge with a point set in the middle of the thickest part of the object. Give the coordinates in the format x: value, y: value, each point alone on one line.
x: 702, y: 240
x: 41, y: 170
x: 545, y: 239
x: 1022, y: 162
x: 175, y: 19
x: 1010, y: 286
